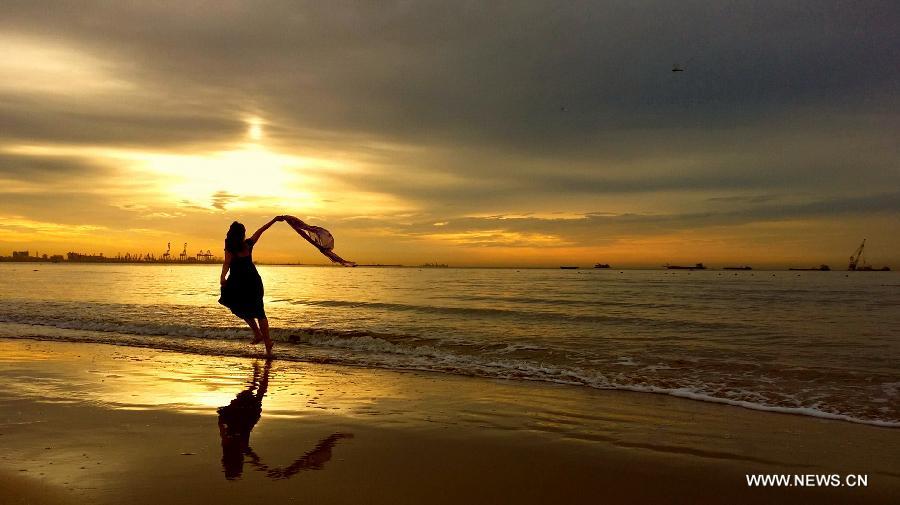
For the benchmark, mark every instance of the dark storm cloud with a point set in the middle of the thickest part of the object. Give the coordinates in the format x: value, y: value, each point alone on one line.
x: 495, y: 72
x: 511, y: 102
x: 743, y: 198
x: 29, y: 119
x: 597, y: 228
x: 50, y: 169
x: 720, y: 165
x: 63, y: 207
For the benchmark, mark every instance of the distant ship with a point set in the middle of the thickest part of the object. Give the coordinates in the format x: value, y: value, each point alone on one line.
x: 601, y: 265
x: 568, y: 268
x: 433, y: 265
x: 745, y: 267
x: 698, y: 266
x: 820, y: 268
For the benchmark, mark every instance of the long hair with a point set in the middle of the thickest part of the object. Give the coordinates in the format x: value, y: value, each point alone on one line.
x: 234, y: 240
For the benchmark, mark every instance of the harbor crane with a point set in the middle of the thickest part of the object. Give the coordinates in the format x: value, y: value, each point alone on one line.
x: 857, y: 257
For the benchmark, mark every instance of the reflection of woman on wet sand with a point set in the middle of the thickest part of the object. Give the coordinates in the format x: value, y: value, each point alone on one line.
x: 236, y: 421
x: 312, y: 460
x: 238, y: 418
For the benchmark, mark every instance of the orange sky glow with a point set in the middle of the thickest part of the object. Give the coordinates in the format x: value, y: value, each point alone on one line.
x: 423, y: 147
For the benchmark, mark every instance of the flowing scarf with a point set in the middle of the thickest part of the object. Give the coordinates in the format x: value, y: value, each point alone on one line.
x: 318, y: 237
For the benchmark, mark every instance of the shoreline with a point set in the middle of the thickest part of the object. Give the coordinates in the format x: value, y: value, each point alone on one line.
x: 108, y: 423
x: 238, y: 350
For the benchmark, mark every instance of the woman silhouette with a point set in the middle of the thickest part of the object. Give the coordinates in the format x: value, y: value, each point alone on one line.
x: 242, y: 291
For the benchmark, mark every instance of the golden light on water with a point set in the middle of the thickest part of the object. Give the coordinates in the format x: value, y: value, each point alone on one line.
x: 191, y: 383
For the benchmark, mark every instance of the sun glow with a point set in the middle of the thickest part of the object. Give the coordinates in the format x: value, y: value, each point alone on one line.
x: 250, y: 175
x: 254, y: 129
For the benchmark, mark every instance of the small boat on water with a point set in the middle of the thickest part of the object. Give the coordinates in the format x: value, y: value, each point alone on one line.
x: 568, y: 268
x: 698, y: 266
x: 745, y: 267
x: 601, y: 265
x: 820, y: 268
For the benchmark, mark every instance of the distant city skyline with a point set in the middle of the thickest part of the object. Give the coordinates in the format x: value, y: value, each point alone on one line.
x: 525, y: 134
x: 206, y: 256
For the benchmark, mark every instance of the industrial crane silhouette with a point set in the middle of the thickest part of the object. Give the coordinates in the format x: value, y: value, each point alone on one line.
x: 856, y: 258
x: 183, y: 255
x: 857, y: 263
x: 166, y: 256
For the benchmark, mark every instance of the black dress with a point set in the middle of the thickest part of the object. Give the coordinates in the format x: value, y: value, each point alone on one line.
x: 243, y: 291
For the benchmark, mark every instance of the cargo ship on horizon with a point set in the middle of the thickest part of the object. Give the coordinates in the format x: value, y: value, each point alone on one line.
x: 698, y: 266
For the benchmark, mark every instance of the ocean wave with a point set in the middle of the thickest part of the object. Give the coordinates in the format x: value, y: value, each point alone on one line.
x: 398, y: 353
x: 669, y: 320
x: 103, y: 316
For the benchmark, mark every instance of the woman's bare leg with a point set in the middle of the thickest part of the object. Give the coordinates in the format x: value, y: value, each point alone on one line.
x: 257, y: 335
x: 264, y: 329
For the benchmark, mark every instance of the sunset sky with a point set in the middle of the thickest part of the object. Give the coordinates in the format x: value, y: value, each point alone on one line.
x: 482, y: 133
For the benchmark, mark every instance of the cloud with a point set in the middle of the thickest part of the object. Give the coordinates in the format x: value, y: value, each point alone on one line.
x: 21, y: 226
x: 491, y: 73
x: 597, y: 228
x: 51, y: 170
x: 499, y: 238
x: 222, y: 198
x: 400, y: 113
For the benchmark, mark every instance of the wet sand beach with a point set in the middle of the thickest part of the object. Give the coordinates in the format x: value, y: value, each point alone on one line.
x: 112, y: 424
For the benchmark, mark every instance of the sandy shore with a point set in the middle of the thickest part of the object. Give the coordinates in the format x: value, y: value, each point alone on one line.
x: 106, y: 424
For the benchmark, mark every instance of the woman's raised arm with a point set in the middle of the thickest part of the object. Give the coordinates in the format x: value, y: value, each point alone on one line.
x: 259, y: 232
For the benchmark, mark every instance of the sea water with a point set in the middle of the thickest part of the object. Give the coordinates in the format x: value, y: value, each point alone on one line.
x: 823, y: 344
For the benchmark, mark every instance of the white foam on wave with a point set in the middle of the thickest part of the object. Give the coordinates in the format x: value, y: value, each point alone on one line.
x: 372, y: 351
x: 891, y: 389
x: 805, y: 411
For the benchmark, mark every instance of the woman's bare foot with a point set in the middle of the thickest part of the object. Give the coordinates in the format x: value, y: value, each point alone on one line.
x: 257, y: 332
x: 264, y: 332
